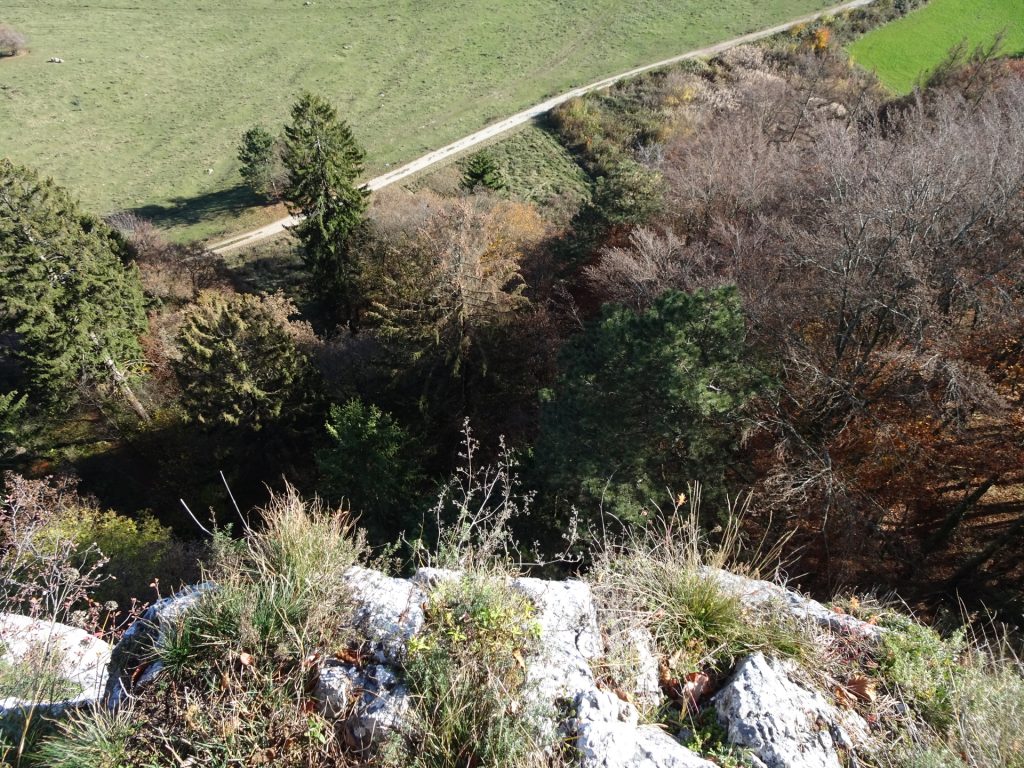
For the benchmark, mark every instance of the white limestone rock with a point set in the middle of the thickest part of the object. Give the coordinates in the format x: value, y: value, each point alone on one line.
x: 388, y: 612
x: 368, y: 704
x: 608, y: 736
x: 80, y: 658
x: 569, y: 638
x: 784, y: 724
x: 758, y: 594
x: 645, y: 682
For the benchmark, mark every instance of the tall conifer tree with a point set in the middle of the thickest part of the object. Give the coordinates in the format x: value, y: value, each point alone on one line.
x: 324, y: 163
x: 66, y: 291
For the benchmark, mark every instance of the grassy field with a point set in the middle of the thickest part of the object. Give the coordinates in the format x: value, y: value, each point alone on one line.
x: 147, y: 109
x: 902, y: 51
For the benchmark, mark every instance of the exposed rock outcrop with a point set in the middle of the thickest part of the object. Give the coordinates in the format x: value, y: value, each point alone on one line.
x: 79, y: 659
x: 569, y: 638
x: 783, y: 723
x: 608, y: 735
x: 387, y: 612
x: 766, y: 595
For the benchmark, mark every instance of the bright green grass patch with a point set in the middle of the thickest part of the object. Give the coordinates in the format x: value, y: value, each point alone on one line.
x: 534, y: 166
x: 153, y: 96
x: 906, y: 49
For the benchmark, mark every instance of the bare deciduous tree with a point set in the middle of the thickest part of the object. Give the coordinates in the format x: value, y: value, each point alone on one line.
x: 879, y: 264
x: 652, y: 264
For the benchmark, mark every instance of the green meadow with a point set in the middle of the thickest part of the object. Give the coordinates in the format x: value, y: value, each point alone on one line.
x: 906, y: 49
x: 147, y: 109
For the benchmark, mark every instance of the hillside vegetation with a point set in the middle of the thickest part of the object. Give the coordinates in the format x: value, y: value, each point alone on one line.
x: 752, y: 311
x: 157, y: 92
x: 901, y: 52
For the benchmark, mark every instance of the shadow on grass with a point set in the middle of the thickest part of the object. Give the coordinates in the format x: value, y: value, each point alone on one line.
x: 189, y: 211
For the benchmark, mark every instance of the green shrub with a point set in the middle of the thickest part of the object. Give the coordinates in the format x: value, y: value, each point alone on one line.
x: 45, y: 522
x: 13, y: 407
x: 136, y: 550
x: 466, y: 672
x: 647, y: 399
x: 924, y: 667
x: 706, y: 736
x: 963, y: 696
x: 628, y: 195
x: 481, y: 170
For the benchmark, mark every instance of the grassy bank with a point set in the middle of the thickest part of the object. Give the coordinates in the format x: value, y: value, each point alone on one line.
x: 900, y: 52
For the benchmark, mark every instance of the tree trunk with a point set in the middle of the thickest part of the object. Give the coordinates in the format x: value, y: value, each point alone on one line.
x: 956, y: 516
x: 121, y: 383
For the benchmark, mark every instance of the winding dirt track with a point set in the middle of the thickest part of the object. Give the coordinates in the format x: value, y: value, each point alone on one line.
x: 502, y: 126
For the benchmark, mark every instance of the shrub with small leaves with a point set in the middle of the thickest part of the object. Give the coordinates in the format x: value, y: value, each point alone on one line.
x: 466, y: 672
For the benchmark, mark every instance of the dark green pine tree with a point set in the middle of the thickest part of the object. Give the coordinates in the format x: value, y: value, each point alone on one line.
x: 256, y: 154
x: 649, y: 402
x: 324, y: 163
x: 371, y: 462
x: 66, y: 291
x: 482, y: 170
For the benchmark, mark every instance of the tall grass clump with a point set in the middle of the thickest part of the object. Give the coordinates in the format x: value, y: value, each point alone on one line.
x: 89, y: 739
x: 662, y: 578
x: 238, y: 667
x: 280, y: 588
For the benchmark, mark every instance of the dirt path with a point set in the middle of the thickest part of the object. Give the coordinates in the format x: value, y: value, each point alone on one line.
x: 503, y: 126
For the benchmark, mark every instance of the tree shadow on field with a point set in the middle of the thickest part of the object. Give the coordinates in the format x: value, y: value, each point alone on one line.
x: 187, y: 211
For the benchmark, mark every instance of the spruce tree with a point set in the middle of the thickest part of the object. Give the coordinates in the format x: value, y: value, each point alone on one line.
x: 324, y: 163
x: 257, y: 155
x: 482, y: 170
x: 240, y: 366
x: 66, y: 291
